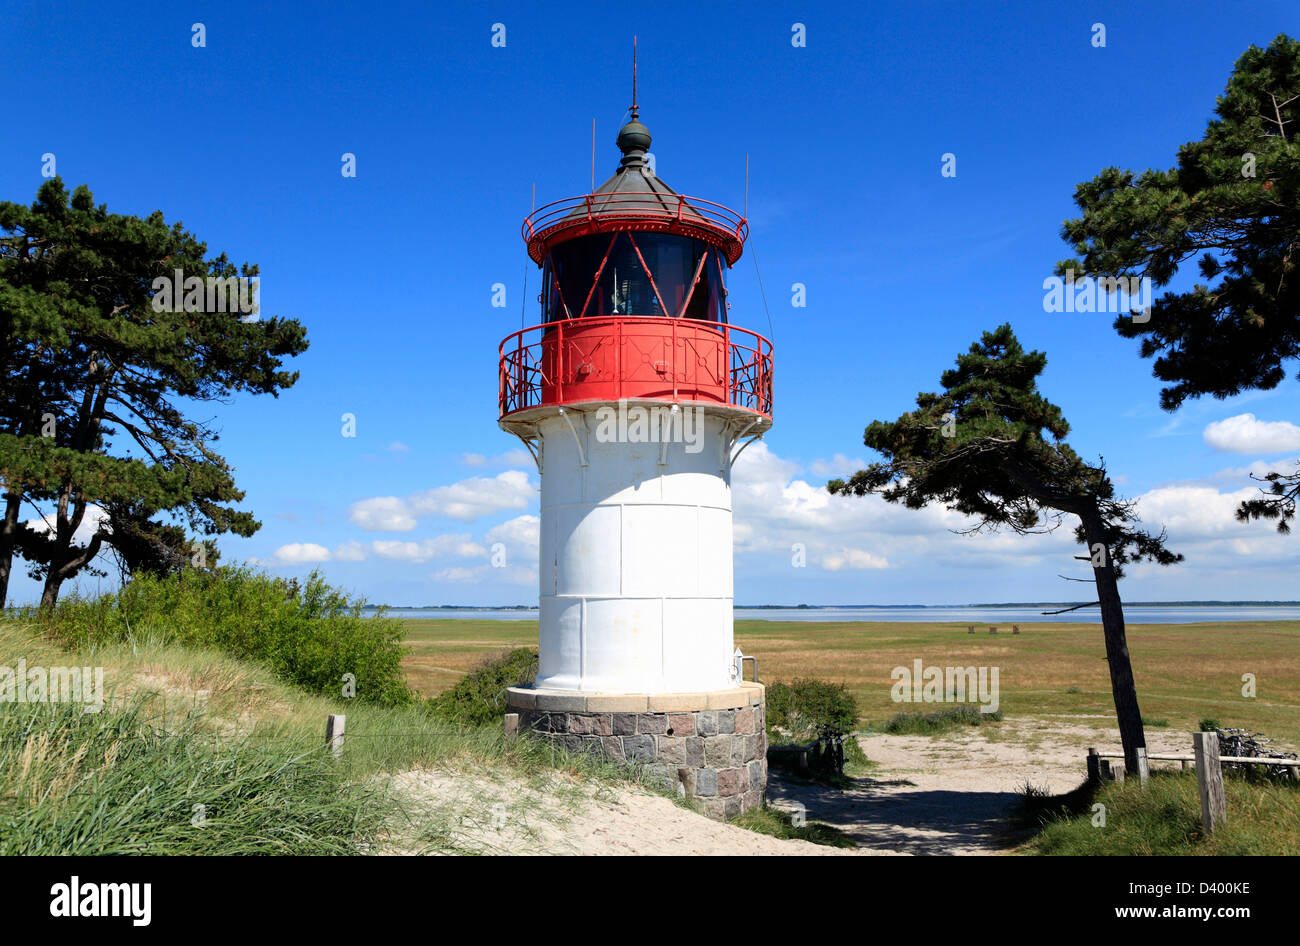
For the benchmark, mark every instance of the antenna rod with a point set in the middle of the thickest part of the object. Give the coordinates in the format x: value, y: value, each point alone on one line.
x: 635, y: 110
x: 593, y: 155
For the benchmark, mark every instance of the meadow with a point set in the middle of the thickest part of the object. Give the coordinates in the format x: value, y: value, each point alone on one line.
x: 1185, y: 672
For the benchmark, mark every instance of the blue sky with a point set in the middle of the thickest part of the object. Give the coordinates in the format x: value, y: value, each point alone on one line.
x: 392, y: 271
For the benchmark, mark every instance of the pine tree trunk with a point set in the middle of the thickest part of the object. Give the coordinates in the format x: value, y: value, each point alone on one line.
x: 8, y: 533
x: 50, y: 594
x: 1122, y: 686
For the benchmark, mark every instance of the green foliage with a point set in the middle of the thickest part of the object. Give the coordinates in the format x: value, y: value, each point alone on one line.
x: 310, y: 635
x: 479, y: 698
x: 95, y: 378
x: 1155, y: 723
x: 992, y: 447
x: 799, y: 708
x: 1209, y: 724
x: 1232, y: 203
x: 940, y: 721
x: 120, y: 782
x: 1237, y: 218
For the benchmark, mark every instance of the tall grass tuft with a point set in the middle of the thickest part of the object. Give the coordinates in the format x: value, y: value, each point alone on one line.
x: 120, y: 782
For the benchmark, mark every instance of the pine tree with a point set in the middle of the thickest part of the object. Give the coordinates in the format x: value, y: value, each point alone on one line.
x: 1233, y: 204
x: 992, y: 447
x: 97, y: 372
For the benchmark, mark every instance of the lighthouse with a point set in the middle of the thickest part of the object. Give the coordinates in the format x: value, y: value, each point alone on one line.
x: 635, y: 393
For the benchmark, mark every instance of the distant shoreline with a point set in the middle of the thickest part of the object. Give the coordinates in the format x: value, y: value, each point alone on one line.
x: 890, y: 607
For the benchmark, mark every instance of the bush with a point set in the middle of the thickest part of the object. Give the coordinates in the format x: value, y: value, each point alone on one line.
x: 310, y: 635
x: 929, y: 724
x: 479, y: 698
x: 800, y: 707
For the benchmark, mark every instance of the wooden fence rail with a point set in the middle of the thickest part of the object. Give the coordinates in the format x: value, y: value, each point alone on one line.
x: 1209, y: 772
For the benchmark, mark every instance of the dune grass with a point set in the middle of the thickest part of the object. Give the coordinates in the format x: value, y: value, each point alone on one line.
x: 185, y: 726
x: 1163, y: 819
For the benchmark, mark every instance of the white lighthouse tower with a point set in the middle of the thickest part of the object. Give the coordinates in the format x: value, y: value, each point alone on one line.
x: 635, y: 393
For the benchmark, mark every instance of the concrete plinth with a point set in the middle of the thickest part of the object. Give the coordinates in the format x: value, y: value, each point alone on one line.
x: 711, y: 746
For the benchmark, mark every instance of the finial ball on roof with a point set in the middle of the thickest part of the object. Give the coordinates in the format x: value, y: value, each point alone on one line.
x: 634, y: 137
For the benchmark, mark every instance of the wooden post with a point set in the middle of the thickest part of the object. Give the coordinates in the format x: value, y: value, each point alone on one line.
x: 511, y: 726
x: 1144, y: 767
x: 1094, y: 767
x: 1117, y: 771
x: 970, y: 628
x: 1015, y: 628
x: 1209, y: 775
x: 1106, y: 774
x: 334, y: 734
x: 993, y: 630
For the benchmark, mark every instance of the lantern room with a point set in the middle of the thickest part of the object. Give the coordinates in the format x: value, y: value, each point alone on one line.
x: 633, y: 303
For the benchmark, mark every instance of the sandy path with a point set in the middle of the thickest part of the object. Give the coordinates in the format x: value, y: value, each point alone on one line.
x: 926, y: 795
x: 491, y: 813
x: 953, y: 794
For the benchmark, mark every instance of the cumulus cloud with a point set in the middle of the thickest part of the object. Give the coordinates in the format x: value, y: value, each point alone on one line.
x: 300, y: 553
x: 523, y: 532
x: 1245, y: 434
x: 465, y: 501
x: 852, y: 558
x: 382, y: 514
x: 444, y: 546
x: 476, y: 497
x: 90, y: 523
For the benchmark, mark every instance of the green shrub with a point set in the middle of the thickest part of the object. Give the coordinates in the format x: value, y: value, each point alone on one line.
x: 929, y: 724
x: 1208, y: 725
x: 800, y: 707
x: 310, y: 635
x: 479, y: 698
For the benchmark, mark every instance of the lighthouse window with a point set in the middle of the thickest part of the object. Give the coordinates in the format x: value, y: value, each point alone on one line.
x: 634, y: 274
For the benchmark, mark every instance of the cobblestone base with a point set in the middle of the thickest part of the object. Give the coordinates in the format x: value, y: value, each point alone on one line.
x: 717, y: 757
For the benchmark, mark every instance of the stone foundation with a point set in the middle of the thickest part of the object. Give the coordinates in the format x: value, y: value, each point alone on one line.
x: 711, y: 746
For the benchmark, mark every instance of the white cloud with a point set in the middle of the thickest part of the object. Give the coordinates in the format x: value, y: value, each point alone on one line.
x: 90, y: 523
x: 1245, y: 434
x: 522, y: 531
x: 444, y: 546
x: 300, y: 553
x: 852, y: 558
x: 398, y: 447
x: 473, y: 459
x: 475, y: 497
x: 466, y: 501
x: 382, y: 514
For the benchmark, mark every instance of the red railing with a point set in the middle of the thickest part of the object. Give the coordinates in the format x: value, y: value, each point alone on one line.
x: 597, y: 211
x: 618, y: 357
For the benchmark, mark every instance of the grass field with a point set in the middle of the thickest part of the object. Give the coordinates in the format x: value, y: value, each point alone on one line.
x: 1185, y: 672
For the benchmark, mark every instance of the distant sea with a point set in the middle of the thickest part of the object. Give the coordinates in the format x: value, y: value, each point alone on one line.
x: 970, y: 614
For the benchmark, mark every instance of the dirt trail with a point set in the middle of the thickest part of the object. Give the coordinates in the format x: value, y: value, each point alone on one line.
x: 953, y: 794
x: 926, y: 795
